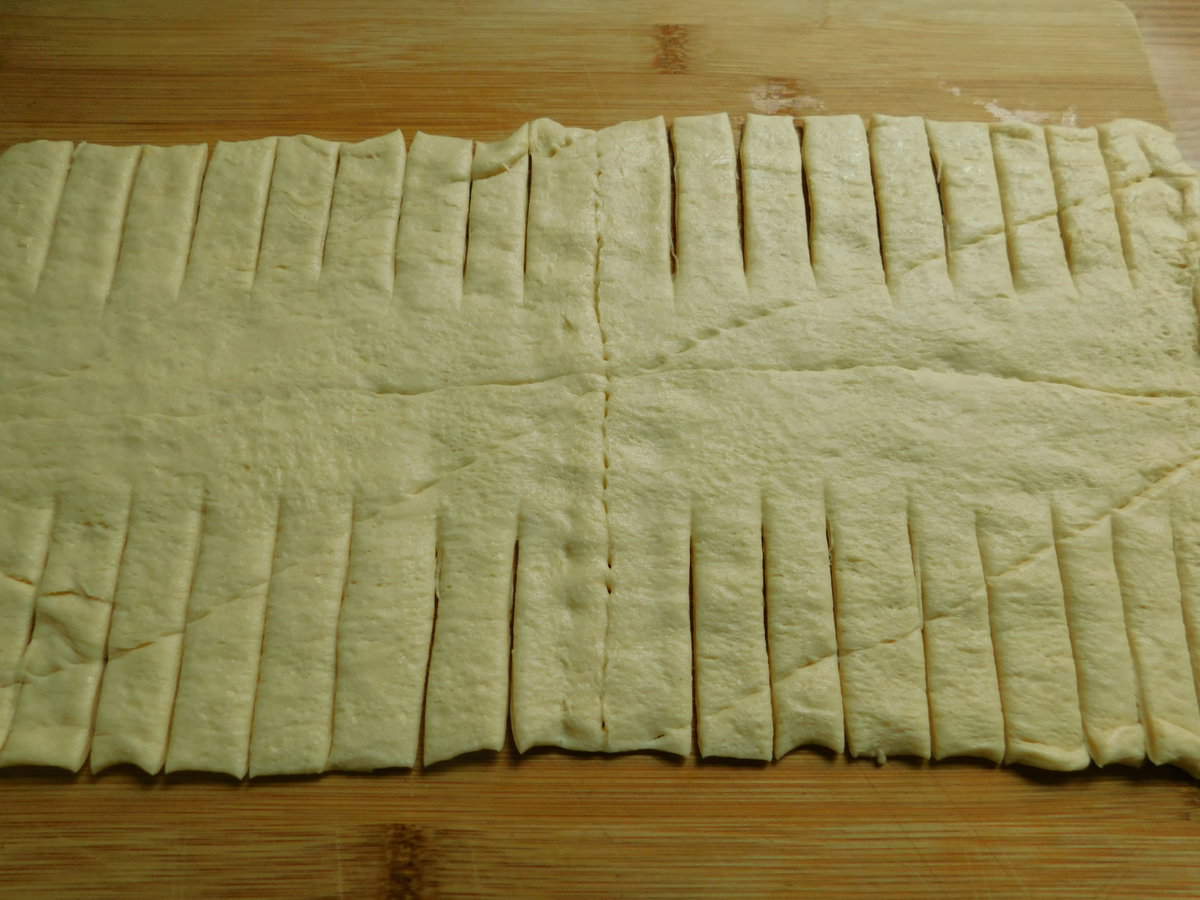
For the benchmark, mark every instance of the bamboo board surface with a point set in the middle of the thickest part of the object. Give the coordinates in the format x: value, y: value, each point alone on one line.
x: 552, y: 823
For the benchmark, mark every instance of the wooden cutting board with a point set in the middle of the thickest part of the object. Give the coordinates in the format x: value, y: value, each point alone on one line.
x: 552, y: 823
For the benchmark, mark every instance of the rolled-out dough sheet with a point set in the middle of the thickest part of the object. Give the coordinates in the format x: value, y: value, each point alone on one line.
x: 874, y: 435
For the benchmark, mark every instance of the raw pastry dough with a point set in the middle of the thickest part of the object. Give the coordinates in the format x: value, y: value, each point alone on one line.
x: 878, y: 436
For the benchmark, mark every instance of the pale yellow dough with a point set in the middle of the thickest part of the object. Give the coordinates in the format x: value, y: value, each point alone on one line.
x: 880, y: 436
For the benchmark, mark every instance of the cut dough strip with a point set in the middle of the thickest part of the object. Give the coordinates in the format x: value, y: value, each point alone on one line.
x: 1109, y: 695
x: 145, y: 643
x: 229, y: 224
x: 843, y: 231
x: 1146, y: 567
x: 910, y: 215
x: 560, y: 616
x: 733, y: 686
x: 34, y: 177
x: 467, y: 697
x: 61, y: 667
x: 648, y: 669
x: 634, y: 281
x: 776, y: 231
x: 431, y: 240
x: 496, y: 224
x: 293, y: 705
x: 1152, y: 204
x: 711, y: 278
x: 878, y: 622
x: 360, y: 245
x: 1035, y: 663
x: 964, y: 695
x: 1088, y: 216
x: 1027, y: 195
x: 975, y: 230
x: 87, y: 234
x: 383, y: 638
x: 25, y: 534
x: 296, y: 221
x: 158, y: 229
x: 1185, y: 527
x: 801, y: 635
x: 222, y: 640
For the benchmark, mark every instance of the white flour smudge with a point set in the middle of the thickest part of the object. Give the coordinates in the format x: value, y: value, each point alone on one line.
x: 1069, y: 116
x: 777, y: 96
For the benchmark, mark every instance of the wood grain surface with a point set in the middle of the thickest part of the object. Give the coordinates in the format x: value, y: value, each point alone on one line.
x: 1171, y: 33
x: 550, y: 823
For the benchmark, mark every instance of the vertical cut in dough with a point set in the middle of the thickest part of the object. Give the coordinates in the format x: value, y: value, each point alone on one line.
x: 466, y: 698
x: 711, y: 280
x: 975, y: 233
x: 648, y: 666
x: 61, y: 667
x: 24, y: 540
x: 1088, y: 217
x: 88, y: 229
x: 964, y: 695
x: 776, y: 231
x: 495, y: 272
x: 158, y: 230
x: 1108, y: 685
x: 145, y: 642
x: 633, y: 278
x: 1027, y: 194
x: 562, y: 242
x: 1145, y: 559
x: 801, y: 634
x: 911, y: 476
x: 296, y: 222
x: 560, y: 617
x: 431, y: 240
x: 360, y: 245
x: 222, y: 638
x: 844, y: 231
x: 1035, y: 662
x: 383, y: 638
x: 1185, y: 526
x: 910, y: 214
x: 293, y: 706
x: 32, y: 179
x: 878, y: 621
x: 229, y: 224
x: 733, y: 689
